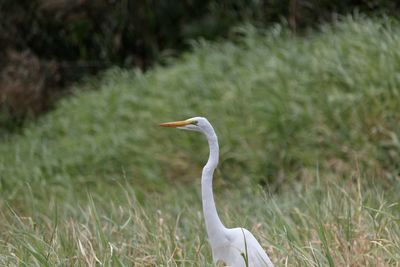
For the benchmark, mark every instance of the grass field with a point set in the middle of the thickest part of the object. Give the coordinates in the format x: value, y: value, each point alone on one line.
x: 309, y: 130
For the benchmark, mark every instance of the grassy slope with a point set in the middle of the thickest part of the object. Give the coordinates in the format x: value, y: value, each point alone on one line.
x: 74, y: 185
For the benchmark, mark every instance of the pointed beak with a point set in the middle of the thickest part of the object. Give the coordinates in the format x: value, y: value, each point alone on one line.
x: 175, y: 124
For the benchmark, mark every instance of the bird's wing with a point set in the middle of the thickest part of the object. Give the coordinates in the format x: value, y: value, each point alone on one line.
x: 256, y: 255
x: 240, y: 242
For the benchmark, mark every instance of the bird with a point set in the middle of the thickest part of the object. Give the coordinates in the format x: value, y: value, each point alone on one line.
x: 234, y: 247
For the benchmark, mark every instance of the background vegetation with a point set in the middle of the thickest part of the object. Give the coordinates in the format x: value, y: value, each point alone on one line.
x: 310, y: 152
x: 46, y: 44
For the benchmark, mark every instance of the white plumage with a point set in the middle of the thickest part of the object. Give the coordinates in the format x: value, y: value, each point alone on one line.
x: 233, y: 251
x: 235, y: 247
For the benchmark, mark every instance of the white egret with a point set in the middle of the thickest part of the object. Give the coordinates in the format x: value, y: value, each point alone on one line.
x: 235, y: 247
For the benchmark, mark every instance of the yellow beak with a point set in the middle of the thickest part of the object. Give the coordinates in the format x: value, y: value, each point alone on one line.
x: 175, y: 123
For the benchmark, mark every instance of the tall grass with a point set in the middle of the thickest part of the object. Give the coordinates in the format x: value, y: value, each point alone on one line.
x: 96, y: 182
x: 280, y: 104
x: 326, y: 224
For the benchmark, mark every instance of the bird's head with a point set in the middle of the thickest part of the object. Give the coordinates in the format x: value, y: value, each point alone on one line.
x: 198, y: 124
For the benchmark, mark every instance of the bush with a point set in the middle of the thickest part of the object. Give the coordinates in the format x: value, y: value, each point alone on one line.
x: 82, y: 37
x: 282, y: 107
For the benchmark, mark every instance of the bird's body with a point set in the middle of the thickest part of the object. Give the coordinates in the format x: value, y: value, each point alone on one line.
x: 235, y: 247
x: 233, y: 251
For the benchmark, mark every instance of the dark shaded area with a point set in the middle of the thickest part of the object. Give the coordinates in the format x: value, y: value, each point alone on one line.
x: 45, y: 44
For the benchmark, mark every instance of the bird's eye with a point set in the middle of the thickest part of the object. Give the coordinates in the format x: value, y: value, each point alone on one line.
x: 194, y: 122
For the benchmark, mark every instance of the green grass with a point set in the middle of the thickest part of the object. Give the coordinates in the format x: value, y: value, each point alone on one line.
x: 312, y: 120
x: 351, y: 224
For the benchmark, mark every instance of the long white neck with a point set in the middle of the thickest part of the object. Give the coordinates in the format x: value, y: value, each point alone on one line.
x: 214, y: 226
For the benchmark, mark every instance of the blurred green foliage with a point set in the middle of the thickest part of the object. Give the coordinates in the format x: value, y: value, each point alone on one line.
x: 127, y: 33
x: 283, y: 107
x: 45, y: 44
